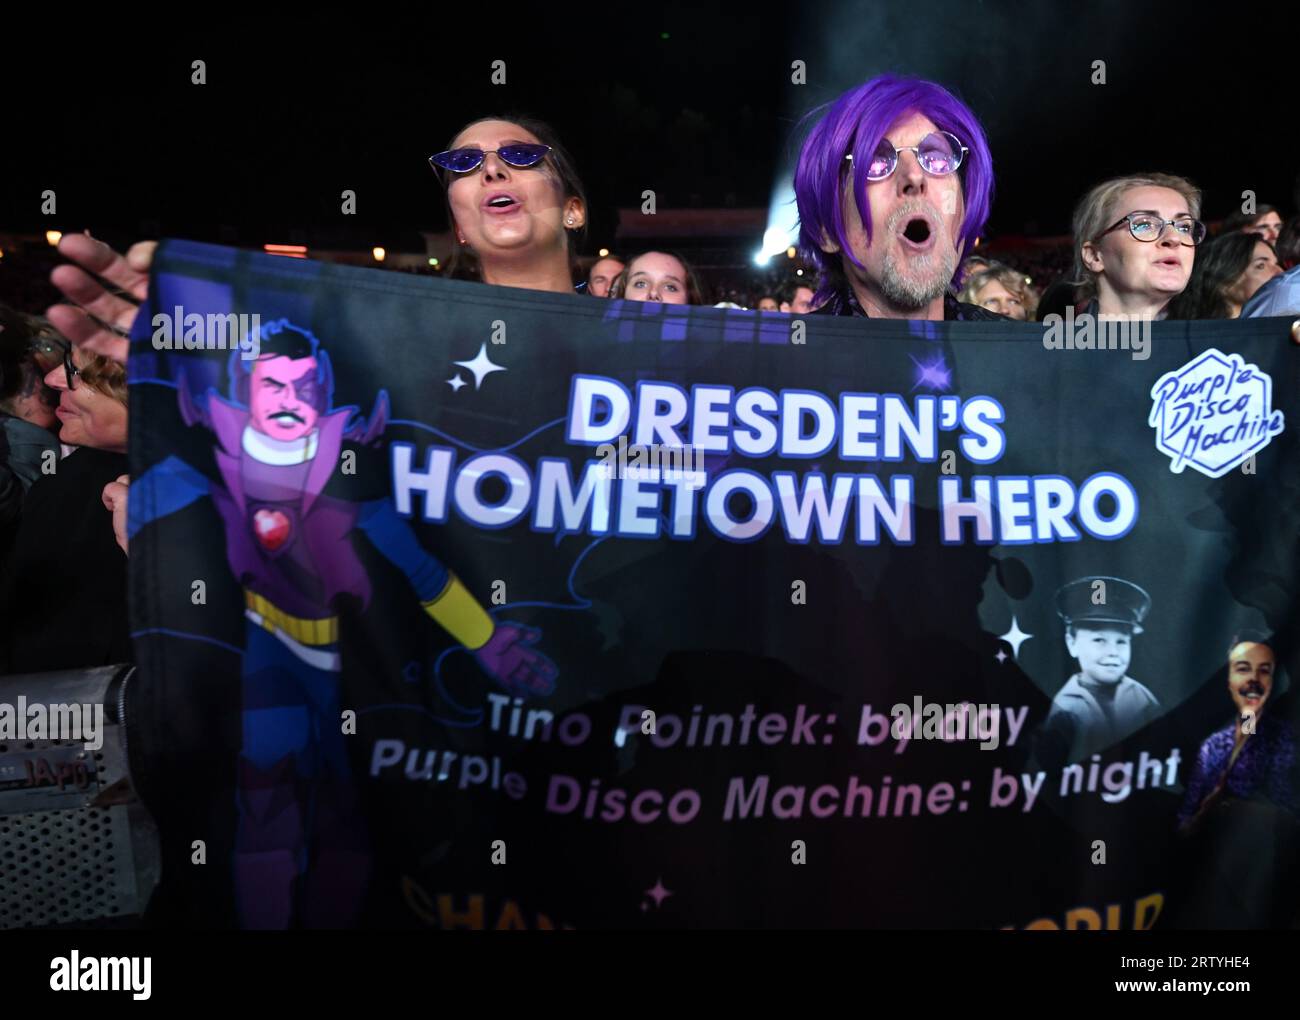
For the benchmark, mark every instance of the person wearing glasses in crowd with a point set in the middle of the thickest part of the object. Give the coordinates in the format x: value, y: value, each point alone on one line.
x: 27, y: 421
x: 659, y: 276
x: 1134, y: 241
x: 893, y: 185
x: 514, y: 202
x: 1228, y: 271
x: 63, y: 593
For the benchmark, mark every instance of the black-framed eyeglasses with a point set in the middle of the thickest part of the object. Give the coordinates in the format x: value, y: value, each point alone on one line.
x: 70, y: 371
x: 938, y: 153
x: 1150, y: 227
x: 520, y: 155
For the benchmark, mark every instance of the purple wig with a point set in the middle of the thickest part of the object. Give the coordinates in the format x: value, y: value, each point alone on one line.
x: 855, y: 123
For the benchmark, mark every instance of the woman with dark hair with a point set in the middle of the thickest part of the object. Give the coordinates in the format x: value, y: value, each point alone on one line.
x: 1254, y: 755
x: 659, y: 276
x: 1227, y: 273
x: 514, y: 201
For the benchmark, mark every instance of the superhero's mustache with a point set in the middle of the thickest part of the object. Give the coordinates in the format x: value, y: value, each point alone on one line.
x: 287, y: 416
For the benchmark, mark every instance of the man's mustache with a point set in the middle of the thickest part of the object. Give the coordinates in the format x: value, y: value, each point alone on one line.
x: 289, y: 414
x: 916, y: 207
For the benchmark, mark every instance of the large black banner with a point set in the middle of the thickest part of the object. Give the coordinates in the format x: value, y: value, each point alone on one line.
x: 462, y: 606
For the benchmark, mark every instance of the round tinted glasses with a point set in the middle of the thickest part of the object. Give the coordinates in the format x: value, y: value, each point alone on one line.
x: 938, y: 153
x: 520, y: 155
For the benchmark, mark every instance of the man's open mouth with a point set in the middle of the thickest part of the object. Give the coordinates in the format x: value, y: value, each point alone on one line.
x: 918, y: 233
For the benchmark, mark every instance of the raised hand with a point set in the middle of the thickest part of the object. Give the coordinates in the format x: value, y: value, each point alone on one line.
x: 509, y: 658
x: 130, y: 275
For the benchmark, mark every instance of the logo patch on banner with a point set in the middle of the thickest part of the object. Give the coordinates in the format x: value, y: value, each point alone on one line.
x: 1213, y: 413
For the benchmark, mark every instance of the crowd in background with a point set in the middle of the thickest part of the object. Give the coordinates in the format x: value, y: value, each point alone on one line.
x: 517, y: 208
x: 1246, y: 253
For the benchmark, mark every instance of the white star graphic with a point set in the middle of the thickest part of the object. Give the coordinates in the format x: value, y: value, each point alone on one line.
x: 456, y: 382
x: 481, y: 366
x: 1001, y: 656
x: 1015, y: 637
x: 658, y: 893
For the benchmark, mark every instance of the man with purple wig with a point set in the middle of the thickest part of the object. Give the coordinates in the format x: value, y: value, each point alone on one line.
x: 893, y: 185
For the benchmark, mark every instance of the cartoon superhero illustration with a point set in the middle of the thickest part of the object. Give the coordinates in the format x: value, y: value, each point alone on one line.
x: 301, y: 852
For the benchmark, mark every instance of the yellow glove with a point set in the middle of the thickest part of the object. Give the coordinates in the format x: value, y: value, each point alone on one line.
x: 456, y: 612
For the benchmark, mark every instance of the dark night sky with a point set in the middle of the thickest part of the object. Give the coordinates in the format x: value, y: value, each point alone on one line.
x: 296, y: 111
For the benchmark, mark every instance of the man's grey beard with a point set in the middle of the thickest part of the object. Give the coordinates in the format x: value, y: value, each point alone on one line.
x: 903, y: 288
x: 906, y: 289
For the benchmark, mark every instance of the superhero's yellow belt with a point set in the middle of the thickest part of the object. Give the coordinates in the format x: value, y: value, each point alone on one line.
x: 322, y: 631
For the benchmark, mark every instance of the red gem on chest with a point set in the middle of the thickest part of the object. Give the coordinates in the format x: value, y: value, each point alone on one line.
x: 271, y: 528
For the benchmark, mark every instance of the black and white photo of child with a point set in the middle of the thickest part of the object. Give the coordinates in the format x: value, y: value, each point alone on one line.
x: 1100, y: 704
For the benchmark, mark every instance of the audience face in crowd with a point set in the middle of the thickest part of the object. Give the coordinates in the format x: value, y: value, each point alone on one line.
x: 1135, y: 241
x: 658, y: 276
x: 513, y: 200
x: 602, y: 276
x: 768, y: 304
x: 1288, y: 244
x: 1228, y: 271
x: 1264, y: 221
x: 996, y: 298
x: 27, y: 353
x: 889, y: 222
x: 1000, y: 289
x: 1267, y: 226
x: 1263, y: 267
x: 92, y: 401
x: 800, y: 301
